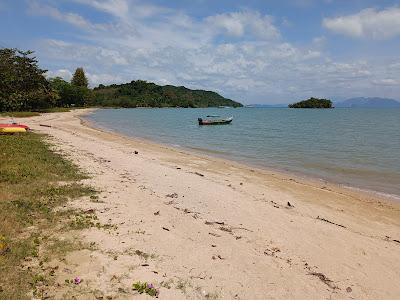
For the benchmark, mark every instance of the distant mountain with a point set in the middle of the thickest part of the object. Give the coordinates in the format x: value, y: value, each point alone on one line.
x: 266, y: 105
x: 140, y: 93
x: 369, y: 102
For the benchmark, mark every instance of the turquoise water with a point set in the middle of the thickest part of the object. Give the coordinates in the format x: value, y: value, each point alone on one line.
x: 354, y: 147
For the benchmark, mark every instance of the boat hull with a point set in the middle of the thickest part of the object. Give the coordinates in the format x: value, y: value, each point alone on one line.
x: 215, y: 121
x: 7, y: 125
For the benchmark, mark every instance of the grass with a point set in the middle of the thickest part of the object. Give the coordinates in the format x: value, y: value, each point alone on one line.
x: 30, y: 189
x: 20, y: 114
x: 27, y: 114
x: 55, y: 109
x: 144, y: 287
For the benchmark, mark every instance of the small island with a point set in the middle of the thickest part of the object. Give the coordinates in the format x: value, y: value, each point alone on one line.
x: 312, y: 103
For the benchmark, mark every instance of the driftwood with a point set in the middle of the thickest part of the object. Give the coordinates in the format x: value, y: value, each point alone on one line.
x: 324, y: 279
x: 214, y: 222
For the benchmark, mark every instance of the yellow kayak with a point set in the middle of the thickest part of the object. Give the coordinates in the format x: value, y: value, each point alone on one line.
x: 12, y: 130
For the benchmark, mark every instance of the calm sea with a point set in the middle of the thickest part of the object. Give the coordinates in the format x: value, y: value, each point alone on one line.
x: 354, y: 147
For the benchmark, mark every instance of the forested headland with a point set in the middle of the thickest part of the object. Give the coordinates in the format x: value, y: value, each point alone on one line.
x: 24, y: 87
x: 140, y: 93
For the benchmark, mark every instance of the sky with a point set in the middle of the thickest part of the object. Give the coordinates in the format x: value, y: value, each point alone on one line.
x: 251, y: 51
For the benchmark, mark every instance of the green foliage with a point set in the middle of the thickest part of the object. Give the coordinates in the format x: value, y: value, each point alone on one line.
x: 312, y: 103
x: 79, y: 78
x: 22, y: 83
x: 146, y: 94
x: 144, y: 287
x: 20, y: 114
x: 69, y: 94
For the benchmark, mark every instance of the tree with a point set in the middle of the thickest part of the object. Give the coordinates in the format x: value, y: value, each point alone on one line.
x: 79, y: 78
x: 22, y: 83
x: 69, y: 94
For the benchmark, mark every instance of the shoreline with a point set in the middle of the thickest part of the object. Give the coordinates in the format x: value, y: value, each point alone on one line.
x: 284, y: 174
x: 203, y: 227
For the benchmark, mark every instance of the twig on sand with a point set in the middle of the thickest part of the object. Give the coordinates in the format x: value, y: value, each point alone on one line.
x: 214, y: 234
x: 226, y: 229
x: 165, y: 228
x: 324, y: 279
x: 197, y: 173
x: 44, y: 125
x: 325, y: 220
x: 214, y: 222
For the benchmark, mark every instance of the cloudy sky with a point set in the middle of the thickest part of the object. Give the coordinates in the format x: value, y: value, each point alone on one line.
x: 263, y: 51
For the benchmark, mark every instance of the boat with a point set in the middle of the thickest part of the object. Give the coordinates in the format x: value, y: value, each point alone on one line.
x: 215, y: 121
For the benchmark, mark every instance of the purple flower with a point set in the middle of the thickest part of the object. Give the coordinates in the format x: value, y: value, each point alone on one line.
x: 150, y: 286
x: 77, y: 280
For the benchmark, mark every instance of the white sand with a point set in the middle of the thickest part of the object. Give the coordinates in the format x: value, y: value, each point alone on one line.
x: 260, y: 249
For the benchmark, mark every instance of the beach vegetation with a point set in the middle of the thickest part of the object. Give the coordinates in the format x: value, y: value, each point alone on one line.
x: 79, y: 78
x: 69, y: 94
x: 20, y: 114
x: 312, y: 103
x: 30, y: 192
x: 147, y: 288
x: 23, y: 86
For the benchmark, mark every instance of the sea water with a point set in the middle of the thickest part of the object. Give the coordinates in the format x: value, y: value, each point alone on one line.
x: 350, y: 146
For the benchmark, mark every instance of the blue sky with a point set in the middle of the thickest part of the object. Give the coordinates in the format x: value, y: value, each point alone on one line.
x: 251, y: 51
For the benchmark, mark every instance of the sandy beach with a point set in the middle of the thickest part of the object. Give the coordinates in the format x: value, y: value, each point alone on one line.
x: 199, y: 227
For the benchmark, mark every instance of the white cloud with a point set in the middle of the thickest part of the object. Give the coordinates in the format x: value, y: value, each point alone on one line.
x: 96, y: 79
x: 72, y: 18
x: 118, y: 8
x: 386, y: 82
x: 319, y: 41
x: 125, y: 9
x: 238, y: 23
x: 63, y: 73
x: 368, y: 23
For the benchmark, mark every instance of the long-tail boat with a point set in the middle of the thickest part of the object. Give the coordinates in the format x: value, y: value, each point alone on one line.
x: 215, y: 121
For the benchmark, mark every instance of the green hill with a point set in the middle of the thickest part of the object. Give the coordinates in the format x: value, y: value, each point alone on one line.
x: 312, y: 103
x: 140, y: 93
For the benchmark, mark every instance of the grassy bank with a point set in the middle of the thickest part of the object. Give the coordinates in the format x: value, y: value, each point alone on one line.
x: 20, y: 114
x: 33, y: 181
x: 27, y: 114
